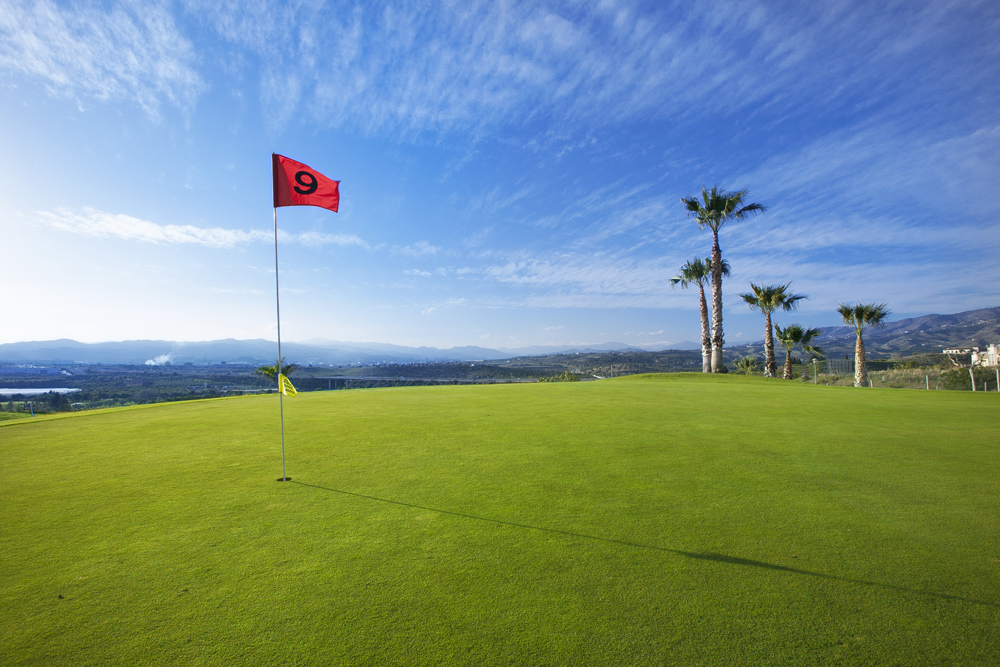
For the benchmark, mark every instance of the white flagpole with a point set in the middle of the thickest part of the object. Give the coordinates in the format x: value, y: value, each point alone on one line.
x: 277, y: 371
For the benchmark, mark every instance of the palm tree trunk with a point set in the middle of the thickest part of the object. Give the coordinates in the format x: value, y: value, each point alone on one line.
x: 860, y: 369
x: 706, y: 337
x: 770, y: 368
x: 717, y: 337
x: 787, y: 375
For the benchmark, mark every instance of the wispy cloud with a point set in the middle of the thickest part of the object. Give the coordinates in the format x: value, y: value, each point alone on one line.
x: 578, y: 280
x: 395, y: 67
x: 99, y: 224
x: 131, y: 52
x: 877, y: 167
x: 317, y: 239
x: 935, y: 285
x: 439, y: 67
x: 418, y: 249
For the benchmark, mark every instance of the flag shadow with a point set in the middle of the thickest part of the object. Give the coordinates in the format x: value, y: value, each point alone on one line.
x: 706, y: 556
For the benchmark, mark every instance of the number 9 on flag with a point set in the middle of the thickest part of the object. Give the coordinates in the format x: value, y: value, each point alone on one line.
x: 297, y: 184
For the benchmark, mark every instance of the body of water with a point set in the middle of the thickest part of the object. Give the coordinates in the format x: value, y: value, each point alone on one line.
x: 35, y: 391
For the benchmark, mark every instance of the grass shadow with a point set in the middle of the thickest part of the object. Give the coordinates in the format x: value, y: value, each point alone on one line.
x: 705, y: 556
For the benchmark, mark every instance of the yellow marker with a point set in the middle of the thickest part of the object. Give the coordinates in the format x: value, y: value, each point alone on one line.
x: 285, y: 386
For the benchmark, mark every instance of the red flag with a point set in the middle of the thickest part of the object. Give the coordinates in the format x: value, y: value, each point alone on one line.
x: 296, y: 184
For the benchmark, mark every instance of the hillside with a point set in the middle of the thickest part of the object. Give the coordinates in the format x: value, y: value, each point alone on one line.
x: 915, y: 335
x: 929, y: 333
x: 255, y: 352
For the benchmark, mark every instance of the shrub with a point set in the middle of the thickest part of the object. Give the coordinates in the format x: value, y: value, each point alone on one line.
x: 958, y: 378
x: 565, y: 376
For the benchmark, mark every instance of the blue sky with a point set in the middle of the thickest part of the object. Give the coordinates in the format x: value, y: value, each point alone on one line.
x: 511, y: 172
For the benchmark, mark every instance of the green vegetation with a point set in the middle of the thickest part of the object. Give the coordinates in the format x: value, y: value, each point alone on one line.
x: 747, y: 365
x: 767, y: 299
x: 272, y: 371
x: 672, y: 519
x: 123, y: 385
x: 565, y: 376
x: 862, y: 316
x: 961, y: 378
x: 792, y: 336
x: 698, y: 272
x: 717, y: 208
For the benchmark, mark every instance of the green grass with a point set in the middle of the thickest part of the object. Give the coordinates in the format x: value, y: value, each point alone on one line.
x: 650, y: 520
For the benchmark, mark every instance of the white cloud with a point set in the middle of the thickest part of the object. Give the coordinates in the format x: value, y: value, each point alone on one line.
x: 415, y: 67
x: 317, y: 239
x: 410, y: 68
x: 419, y: 249
x: 131, y: 52
x: 99, y: 224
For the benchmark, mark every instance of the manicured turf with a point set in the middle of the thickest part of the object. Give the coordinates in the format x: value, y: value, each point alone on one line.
x: 655, y: 520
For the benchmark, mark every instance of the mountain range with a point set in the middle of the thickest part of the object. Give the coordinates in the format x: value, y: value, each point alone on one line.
x: 915, y: 335
x: 259, y: 351
x: 928, y: 333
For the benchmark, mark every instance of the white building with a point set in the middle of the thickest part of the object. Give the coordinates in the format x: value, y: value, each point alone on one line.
x: 988, y: 357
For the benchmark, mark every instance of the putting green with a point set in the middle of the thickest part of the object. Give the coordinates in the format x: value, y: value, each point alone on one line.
x: 676, y: 519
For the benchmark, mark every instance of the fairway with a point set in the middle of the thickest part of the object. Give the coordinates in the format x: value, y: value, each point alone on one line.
x: 651, y: 520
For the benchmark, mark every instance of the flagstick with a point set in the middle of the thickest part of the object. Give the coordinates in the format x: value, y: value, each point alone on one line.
x: 277, y: 371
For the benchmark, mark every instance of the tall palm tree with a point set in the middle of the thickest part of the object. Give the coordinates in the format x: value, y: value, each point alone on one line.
x: 862, y: 316
x: 716, y: 208
x: 791, y: 336
x: 698, y: 271
x: 767, y: 299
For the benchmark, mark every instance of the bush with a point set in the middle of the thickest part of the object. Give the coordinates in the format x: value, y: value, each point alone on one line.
x: 958, y: 378
x: 565, y: 376
x: 58, y: 402
x: 747, y: 365
x: 145, y: 396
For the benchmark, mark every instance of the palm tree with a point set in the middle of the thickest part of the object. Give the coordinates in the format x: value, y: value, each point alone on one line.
x: 747, y: 365
x: 698, y: 271
x: 715, y: 209
x: 791, y: 336
x: 269, y: 371
x: 862, y: 316
x: 767, y: 299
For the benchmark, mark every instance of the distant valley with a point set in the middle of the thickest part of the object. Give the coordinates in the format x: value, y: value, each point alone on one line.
x: 259, y: 351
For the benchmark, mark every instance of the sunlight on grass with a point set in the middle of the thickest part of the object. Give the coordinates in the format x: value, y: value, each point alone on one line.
x: 646, y: 520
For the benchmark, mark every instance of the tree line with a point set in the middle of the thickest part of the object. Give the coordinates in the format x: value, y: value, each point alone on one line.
x: 717, y: 208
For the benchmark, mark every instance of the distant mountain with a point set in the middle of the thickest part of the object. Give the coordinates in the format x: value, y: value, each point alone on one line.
x: 258, y: 351
x: 928, y: 333
x: 389, y: 352
x: 539, y: 350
